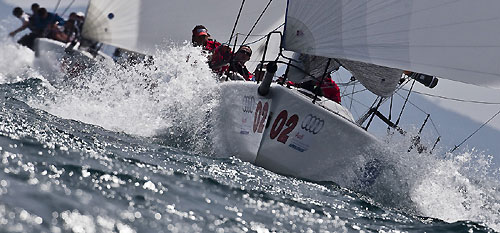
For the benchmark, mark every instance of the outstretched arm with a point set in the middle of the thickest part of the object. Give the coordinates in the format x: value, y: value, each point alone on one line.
x: 13, y: 33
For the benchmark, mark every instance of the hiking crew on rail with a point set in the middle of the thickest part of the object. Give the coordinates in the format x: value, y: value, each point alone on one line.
x: 44, y: 24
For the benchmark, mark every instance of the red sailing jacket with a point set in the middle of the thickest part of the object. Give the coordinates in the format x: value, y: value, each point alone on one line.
x: 211, y: 45
x: 331, y: 90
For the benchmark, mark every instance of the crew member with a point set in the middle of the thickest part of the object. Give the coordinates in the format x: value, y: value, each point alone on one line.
x: 201, y: 38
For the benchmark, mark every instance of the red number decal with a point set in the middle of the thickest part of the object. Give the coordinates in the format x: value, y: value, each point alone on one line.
x: 260, y: 117
x: 256, y: 118
x: 263, y: 118
x: 291, y: 123
x: 278, y: 124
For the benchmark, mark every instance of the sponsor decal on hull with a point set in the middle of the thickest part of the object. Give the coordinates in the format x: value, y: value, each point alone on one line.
x: 310, y: 126
x: 254, y: 115
x: 247, y: 107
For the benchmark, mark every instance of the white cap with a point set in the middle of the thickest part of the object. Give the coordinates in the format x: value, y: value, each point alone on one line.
x: 80, y: 14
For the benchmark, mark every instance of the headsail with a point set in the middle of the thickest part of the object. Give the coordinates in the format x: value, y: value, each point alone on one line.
x: 379, y: 80
x: 142, y: 25
x: 457, y: 40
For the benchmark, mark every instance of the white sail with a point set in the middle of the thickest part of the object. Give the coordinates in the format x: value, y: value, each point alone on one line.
x: 141, y: 26
x: 457, y: 40
x: 380, y: 80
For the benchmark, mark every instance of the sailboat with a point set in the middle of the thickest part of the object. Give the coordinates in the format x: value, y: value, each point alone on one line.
x: 284, y: 129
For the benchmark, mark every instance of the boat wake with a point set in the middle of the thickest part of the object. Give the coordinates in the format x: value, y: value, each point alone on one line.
x: 173, y: 102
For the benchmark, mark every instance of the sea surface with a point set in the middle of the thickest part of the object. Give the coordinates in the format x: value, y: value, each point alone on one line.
x: 134, y: 149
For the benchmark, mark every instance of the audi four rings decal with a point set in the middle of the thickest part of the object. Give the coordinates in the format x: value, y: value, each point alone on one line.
x: 312, y: 124
x: 248, y: 104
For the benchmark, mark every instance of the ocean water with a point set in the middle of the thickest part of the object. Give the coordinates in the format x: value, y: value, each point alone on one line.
x: 134, y: 149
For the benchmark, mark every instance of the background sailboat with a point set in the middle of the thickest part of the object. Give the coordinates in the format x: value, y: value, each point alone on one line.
x: 144, y: 26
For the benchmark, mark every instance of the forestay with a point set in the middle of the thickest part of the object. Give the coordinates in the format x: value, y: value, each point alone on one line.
x: 141, y: 26
x: 457, y: 40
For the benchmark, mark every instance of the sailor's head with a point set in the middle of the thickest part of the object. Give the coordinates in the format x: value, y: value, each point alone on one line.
x: 42, y: 12
x: 73, y: 16
x: 18, y: 11
x: 243, y: 54
x: 35, y: 7
x: 200, y: 35
x: 80, y: 15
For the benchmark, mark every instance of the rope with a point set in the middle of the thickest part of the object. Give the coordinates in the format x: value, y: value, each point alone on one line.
x: 414, y: 105
x: 480, y: 127
x: 256, y: 22
x: 456, y: 99
x: 64, y: 12
x: 57, y: 6
x: 404, y: 105
x: 352, y: 93
x: 255, y: 41
x: 237, y: 19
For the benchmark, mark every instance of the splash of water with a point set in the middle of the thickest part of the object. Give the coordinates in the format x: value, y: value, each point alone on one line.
x: 172, y: 97
x: 16, y: 61
x: 455, y: 187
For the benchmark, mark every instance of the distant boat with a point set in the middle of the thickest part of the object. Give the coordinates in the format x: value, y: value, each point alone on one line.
x: 286, y: 130
x: 60, y: 61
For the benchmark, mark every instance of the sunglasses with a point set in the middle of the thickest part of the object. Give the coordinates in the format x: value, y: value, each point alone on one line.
x: 201, y: 30
x: 245, y: 52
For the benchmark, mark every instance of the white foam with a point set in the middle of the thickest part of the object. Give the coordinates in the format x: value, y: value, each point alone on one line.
x: 119, y: 98
x: 461, y: 186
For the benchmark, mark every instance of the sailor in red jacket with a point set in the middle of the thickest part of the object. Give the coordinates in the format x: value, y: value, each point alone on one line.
x: 201, y: 37
x: 224, y: 59
x: 330, y: 89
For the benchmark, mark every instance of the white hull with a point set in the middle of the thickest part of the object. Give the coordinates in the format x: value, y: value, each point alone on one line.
x: 56, y: 64
x: 314, y: 143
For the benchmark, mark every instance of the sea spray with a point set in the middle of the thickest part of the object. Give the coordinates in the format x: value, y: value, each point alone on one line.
x: 451, y: 187
x: 16, y: 61
x: 172, y: 96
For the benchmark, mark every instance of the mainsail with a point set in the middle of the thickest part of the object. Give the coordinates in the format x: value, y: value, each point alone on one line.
x: 141, y: 26
x: 456, y: 40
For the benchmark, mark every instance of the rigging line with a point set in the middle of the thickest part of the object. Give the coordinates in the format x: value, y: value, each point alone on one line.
x: 456, y: 99
x: 256, y: 22
x: 255, y: 41
x: 57, y: 6
x: 485, y: 123
x: 353, y: 87
x: 357, y: 101
x: 350, y: 94
x: 64, y: 12
x: 404, y: 105
x: 416, y: 106
x: 435, y: 127
x: 390, y: 108
x: 237, y: 19
x: 397, y: 89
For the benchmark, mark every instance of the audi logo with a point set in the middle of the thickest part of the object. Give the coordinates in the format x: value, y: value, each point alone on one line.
x: 248, y: 104
x: 312, y: 124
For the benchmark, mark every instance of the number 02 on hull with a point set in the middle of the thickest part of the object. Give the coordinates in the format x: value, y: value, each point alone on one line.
x: 287, y: 134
